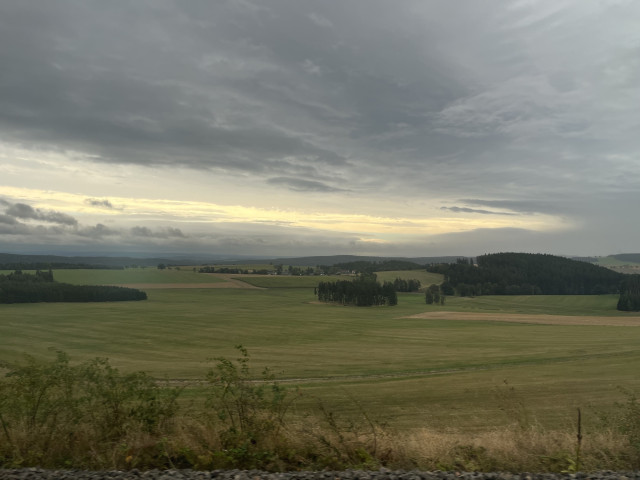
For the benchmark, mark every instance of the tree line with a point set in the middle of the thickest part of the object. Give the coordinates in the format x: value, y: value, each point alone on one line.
x: 364, y: 291
x: 434, y: 295
x: 630, y: 294
x: 526, y: 274
x: 55, y: 265
x: 367, y: 267
x: 19, y: 287
x: 404, y: 285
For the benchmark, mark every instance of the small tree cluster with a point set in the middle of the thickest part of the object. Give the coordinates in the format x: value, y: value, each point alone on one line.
x: 630, y: 294
x: 402, y: 285
x: 364, y: 291
x: 434, y: 295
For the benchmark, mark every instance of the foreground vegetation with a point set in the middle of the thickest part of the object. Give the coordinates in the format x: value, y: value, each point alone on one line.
x: 90, y: 415
x: 469, y: 385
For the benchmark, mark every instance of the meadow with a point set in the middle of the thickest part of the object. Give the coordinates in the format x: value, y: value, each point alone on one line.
x: 446, y: 371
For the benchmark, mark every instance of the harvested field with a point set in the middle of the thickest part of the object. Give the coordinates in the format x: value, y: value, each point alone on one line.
x: 533, y: 319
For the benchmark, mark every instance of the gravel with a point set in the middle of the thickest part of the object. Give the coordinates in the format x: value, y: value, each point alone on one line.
x: 382, y: 474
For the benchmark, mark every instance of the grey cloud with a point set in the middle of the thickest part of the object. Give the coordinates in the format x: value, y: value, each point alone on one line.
x: 474, y: 210
x: 520, y: 103
x: 146, y: 102
x: 141, y: 232
x: 98, y: 231
x: 167, y: 232
x: 521, y: 206
x: 95, y: 202
x: 175, y: 232
x: 300, y: 185
x: 8, y: 220
x: 21, y: 210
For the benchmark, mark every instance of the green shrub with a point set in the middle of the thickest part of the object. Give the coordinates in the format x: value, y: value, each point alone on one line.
x: 52, y: 411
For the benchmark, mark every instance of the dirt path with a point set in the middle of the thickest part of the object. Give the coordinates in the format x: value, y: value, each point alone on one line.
x: 537, y: 319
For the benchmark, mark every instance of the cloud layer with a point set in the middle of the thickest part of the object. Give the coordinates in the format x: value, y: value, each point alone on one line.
x: 476, y: 112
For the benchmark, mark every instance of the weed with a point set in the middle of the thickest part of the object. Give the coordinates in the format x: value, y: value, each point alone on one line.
x: 251, y: 412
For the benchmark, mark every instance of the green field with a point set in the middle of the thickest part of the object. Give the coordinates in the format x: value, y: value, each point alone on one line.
x: 130, y: 276
x: 613, y: 262
x: 426, y: 278
x: 410, y: 372
x: 288, y: 281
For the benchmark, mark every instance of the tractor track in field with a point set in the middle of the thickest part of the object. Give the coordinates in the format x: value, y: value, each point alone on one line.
x: 538, y: 319
x: 535, y: 319
x: 403, y: 375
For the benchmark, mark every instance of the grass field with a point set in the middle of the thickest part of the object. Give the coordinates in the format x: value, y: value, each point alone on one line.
x: 613, y: 262
x: 411, y: 372
x: 130, y: 276
x: 426, y: 278
x: 288, y: 281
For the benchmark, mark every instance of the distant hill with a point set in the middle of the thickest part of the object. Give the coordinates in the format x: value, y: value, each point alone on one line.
x: 527, y: 274
x: 345, y: 259
x: 9, y: 261
x: 627, y: 257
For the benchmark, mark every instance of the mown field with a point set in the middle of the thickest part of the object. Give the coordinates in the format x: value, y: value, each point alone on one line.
x: 130, y: 276
x: 443, y: 373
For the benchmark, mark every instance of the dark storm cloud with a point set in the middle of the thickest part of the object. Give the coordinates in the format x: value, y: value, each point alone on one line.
x: 231, y: 86
x: 27, y: 212
x: 154, y: 83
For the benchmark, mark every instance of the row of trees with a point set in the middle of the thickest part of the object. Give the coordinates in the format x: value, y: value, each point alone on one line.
x: 364, y: 291
x: 402, y: 285
x: 209, y: 269
x: 434, y: 295
x: 21, y: 287
x: 366, y: 267
x: 55, y: 265
x: 527, y: 274
x: 630, y: 294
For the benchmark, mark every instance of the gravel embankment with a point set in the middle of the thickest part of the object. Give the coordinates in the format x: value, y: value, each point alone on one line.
x: 38, y: 474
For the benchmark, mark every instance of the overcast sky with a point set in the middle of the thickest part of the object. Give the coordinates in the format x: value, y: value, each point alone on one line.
x: 295, y: 127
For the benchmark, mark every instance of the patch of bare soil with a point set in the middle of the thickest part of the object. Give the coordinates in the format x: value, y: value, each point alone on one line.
x: 536, y: 319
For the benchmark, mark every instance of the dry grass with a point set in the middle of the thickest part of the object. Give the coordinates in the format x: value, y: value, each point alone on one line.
x: 197, y: 441
x: 513, y: 449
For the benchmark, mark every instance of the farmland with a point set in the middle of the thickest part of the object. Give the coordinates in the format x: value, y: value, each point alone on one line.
x: 410, y: 365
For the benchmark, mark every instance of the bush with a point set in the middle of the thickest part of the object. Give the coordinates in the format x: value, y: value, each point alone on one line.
x: 53, y: 412
x: 251, y: 412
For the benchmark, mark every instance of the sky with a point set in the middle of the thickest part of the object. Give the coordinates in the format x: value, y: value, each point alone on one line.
x: 296, y: 127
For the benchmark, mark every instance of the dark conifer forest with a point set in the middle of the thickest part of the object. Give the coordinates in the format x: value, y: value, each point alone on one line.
x: 526, y: 274
x: 19, y: 287
x: 630, y: 294
x: 364, y: 291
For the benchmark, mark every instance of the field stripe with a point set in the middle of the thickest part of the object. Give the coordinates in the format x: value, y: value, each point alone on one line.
x: 627, y: 321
